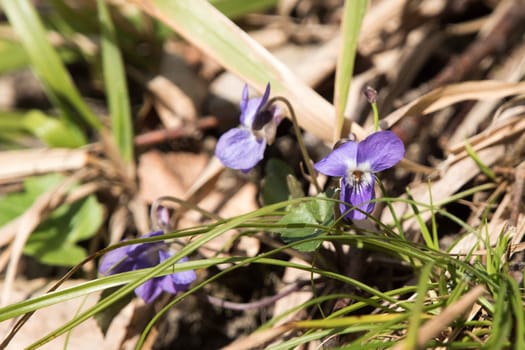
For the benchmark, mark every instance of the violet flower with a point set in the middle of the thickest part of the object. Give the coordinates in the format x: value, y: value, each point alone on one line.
x: 243, y: 147
x: 357, y: 163
x: 144, y: 255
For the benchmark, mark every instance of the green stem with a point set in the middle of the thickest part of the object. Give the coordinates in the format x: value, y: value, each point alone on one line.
x: 300, y: 141
x: 376, y: 116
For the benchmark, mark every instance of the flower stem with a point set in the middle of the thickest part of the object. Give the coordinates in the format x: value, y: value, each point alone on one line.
x: 302, y: 147
x: 376, y: 116
x: 371, y: 96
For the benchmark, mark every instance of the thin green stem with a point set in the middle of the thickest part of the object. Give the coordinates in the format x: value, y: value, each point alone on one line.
x: 307, y: 160
x: 376, y: 116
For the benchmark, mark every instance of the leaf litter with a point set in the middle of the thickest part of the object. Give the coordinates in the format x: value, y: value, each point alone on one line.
x: 449, y: 73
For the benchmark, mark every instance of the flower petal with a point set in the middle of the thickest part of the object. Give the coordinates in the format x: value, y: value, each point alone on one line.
x: 245, y: 97
x: 149, y: 290
x: 357, y: 196
x: 115, y: 261
x: 381, y: 150
x: 166, y: 284
x: 251, y: 108
x: 183, y: 279
x: 239, y: 149
x: 135, y: 250
x: 339, y: 160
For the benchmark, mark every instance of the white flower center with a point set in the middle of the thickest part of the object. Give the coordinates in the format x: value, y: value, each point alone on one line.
x: 359, y: 176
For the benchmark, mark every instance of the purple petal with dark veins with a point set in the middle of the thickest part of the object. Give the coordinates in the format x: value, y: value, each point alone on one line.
x: 357, y: 196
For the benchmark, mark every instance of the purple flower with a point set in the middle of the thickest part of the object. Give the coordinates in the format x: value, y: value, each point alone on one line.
x: 357, y: 163
x: 243, y: 147
x: 144, y: 255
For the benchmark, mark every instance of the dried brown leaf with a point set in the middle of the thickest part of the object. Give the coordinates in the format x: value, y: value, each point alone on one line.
x: 448, y: 95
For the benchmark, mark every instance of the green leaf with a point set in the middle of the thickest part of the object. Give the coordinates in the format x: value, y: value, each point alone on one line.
x: 54, y: 242
x: 15, y: 204
x: 47, y: 64
x: 116, y: 86
x: 354, y: 12
x: 274, y: 185
x: 317, y: 211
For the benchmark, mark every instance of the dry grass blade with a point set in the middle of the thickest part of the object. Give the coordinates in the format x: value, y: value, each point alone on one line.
x: 452, y: 180
x: 22, y: 163
x: 436, y: 325
x: 498, y: 133
x: 448, y: 95
x: 257, y: 339
x: 222, y: 40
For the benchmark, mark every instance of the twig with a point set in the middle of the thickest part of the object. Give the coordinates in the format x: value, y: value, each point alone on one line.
x: 264, y: 302
x: 159, y: 136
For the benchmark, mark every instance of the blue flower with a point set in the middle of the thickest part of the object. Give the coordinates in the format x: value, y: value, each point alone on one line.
x: 243, y: 147
x: 356, y: 163
x: 144, y: 255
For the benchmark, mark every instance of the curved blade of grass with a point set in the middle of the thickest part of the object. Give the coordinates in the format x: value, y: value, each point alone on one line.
x: 212, y: 32
x: 354, y: 12
x: 519, y: 314
x: 47, y: 64
x: 116, y: 85
x: 40, y: 302
x: 237, y: 8
x: 417, y: 311
x: 216, y: 231
x: 475, y: 157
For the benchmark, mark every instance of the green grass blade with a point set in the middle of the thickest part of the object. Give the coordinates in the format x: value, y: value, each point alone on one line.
x: 519, y: 314
x: 46, y: 63
x: 418, y: 308
x: 116, y: 85
x: 354, y: 12
x: 208, y: 29
x: 482, y: 166
x: 13, y: 55
x: 237, y: 8
x: 218, y: 230
x: 81, y: 290
x: 53, y: 131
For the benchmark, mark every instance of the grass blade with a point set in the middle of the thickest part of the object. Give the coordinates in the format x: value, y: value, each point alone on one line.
x: 116, y: 85
x: 354, y: 12
x: 237, y: 8
x: 208, y: 29
x: 47, y: 64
